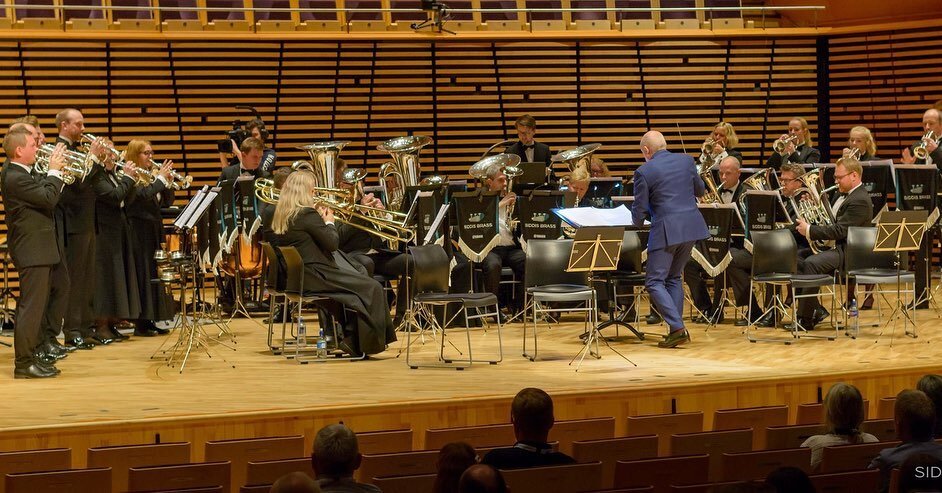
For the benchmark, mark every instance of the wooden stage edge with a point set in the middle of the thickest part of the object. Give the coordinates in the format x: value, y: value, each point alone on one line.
x: 719, y: 370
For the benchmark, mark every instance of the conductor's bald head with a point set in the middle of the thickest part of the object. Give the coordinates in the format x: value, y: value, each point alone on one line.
x: 652, y: 142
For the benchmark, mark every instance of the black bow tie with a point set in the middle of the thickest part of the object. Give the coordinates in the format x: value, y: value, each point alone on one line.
x: 531, y: 146
x: 726, y: 190
x: 842, y: 194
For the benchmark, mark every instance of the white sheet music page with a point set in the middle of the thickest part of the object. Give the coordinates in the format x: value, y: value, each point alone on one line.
x: 580, y: 217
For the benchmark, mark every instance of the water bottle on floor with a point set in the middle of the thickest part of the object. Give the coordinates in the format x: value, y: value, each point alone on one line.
x: 321, y: 344
x: 302, y: 332
x: 854, y: 315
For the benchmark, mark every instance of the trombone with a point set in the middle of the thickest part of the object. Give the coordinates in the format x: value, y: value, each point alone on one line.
x: 920, y: 151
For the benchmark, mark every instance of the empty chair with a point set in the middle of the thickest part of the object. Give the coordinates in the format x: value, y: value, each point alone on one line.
x: 53, y: 459
x: 876, y: 269
x: 397, y: 464
x: 662, y: 472
x: 757, y: 418
x: 70, y: 481
x: 714, y: 444
x: 757, y: 465
x: 609, y: 450
x: 792, y: 436
x: 385, y: 441
x: 810, y: 414
x: 405, y: 484
x: 569, y: 478
x: 268, y: 471
x: 123, y: 457
x: 181, y: 476
x: 239, y: 452
x: 567, y: 431
x: 851, y: 457
x: 847, y: 482
x: 885, y: 407
x: 481, y: 435
x: 664, y: 425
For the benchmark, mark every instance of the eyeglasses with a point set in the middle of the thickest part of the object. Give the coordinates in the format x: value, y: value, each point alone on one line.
x: 841, y: 177
x: 787, y: 180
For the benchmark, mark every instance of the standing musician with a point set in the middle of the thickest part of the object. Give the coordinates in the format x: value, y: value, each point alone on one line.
x: 508, y: 251
x: 931, y: 122
x: 77, y: 208
x: 666, y: 191
x: 851, y: 207
x: 724, y: 144
x: 862, y: 141
x: 798, y: 148
x: 143, y: 212
x: 300, y: 222
x: 529, y: 150
x: 36, y: 249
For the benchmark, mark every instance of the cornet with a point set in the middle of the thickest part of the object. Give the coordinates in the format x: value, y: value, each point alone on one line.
x: 920, y: 151
x: 707, y: 158
x: 177, y: 181
x: 77, y: 164
x: 781, y: 144
x: 851, y: 153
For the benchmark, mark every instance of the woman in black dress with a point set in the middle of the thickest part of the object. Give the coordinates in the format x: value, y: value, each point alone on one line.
x: 327, y: 272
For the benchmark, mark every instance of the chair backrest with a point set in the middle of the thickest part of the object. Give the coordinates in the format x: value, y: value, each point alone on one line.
x: 430, y: 269
x: 714, y: 444
x: 273, y: 273
x: 547, y: 261
x: 847, y: 482
x: 810, y: 414
x: 567, y: 431
x: 851, y: 457
x: 294, y: 269
x: 662, y: 472
x: 774, y: 252
x: 609, y: 450
x: 240, y: 452
x: 385, y: 441
x: 121, y: 458
x: 757, y: 418
x: 883, y: 429
x: 629, y: 260
x: 859, y: 254
x: 790, y: 436
x: 664, y: 425
x: 258, y: 488
x: 885, y: 407
x: 197, y: 475
x: 476, y: 436
x: 53, y: 459
x: 746, y: 466
x: 70, y: 481
x: 570, y: 478
x: 268, y: 471
x: 397, y: 464
x: 405, y: 484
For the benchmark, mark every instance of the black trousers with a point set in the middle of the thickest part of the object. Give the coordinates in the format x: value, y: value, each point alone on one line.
x: 36, y: 313
x: 500, y: 256
x: 80, y: 308
x: 825, y: 262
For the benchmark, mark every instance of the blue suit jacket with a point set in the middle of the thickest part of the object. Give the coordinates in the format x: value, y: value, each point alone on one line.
x: 666, y: 191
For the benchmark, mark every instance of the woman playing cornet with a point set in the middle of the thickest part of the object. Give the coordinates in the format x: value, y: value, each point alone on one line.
x: 721, y: 143
x: 795, y: 146
x: 861, y: 141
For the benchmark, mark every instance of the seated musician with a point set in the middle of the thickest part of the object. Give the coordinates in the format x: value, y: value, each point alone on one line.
x: 851, y: 207
x: 298, y: 222
x: 724, y: 144
x: 507, y: 252
x: 256, y: 129
x: 862, y: 141
x: 529, y: 150
x: 598, y: 168
x: 249, y: 165
x: 799, y: 152
x: 931, y: 122
x: 578, y: 182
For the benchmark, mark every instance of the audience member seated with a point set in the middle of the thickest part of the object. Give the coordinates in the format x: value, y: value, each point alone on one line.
x: 532, y: 416
x: 453, y: 459
x: 295, y: 482
x: 843, y: 413
x: 932, y: 386
x: 919, y: 473
x: 745, y: 487
x: 336, y: 455
x: 914, y: 417
x: 482, y: 478
x: 790, y: 479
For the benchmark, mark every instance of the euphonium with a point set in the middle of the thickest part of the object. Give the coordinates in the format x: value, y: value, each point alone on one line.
x: 920, y: 150
x: 810, y: 202
x: 780, y: 145
x: 758, y: 180
x: 580, y: 157
x: 403, y: 170
x: 76, y: 163
x: 511, y: 172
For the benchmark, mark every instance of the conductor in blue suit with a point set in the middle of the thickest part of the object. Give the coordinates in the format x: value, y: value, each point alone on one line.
x: 666, y: 191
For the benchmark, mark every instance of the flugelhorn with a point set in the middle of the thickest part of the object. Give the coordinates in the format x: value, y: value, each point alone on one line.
x: 920, y: 151
x: 781, y: 144
x: 143, y: 176
x: 177, y: 181
x: 76, y: 163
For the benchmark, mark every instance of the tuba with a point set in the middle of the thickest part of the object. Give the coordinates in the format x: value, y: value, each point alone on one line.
x: 810, y: 202
x: 403, y: 170
x: 323, y: 161
x: 580, y: 157
x: 920, y: 150
x: 77, y: 164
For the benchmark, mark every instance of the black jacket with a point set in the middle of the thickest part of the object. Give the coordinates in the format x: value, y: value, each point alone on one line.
x: 541, y: 152
x: 30, y: 205
x: 78, y: 199
x: 857, y: 210
x: 803, y: 155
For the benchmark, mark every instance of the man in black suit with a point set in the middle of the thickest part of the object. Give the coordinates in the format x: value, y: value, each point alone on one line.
x: 529, y: 150
x: 251, y: 157
x: 931, y: 122
x: 508, y: 251
x: 30, y: 201
x: 76, y: 210
x: 851, y: 207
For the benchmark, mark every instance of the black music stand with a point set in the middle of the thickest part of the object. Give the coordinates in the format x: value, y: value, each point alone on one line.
x: 901, y: 231
x: 917, y: 186
x: 596, y: 249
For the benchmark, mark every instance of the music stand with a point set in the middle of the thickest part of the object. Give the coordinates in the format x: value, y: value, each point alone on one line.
x: 595, y: 249
x: 901, y: 231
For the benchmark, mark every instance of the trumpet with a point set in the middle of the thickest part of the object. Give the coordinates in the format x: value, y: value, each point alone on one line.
x: 781, y: 144
x: 77, y: 164
x: 177, y: 181
x: 920, y: 151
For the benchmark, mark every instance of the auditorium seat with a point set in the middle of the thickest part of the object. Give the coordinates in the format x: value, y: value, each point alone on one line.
x: 266, y: 472
x: 609, y: 450
x: 208, y: 489
x: 813, y: 413
x: 397, y: 464
x: 567, y: 431
x: 662, y: 472
x: 239, y: 452
x: 196, y: 475
x: 850, y: 457
x: 415, y: 483
x: 69, y: 481
x: 571, y: 478
x: 714, y: 444
x: 757, y: 465
x: 563, y: 432
x: 121, y: 458
x: 385, y: 441
x: 260, y: 488
x: 664, y: 425
x: 847, y: 482
x: 701, y: 488
x: 757, y: 418
x: 791, y: 436
x: 51, y: 459
x: 883, y: 429
x: 885, y: 407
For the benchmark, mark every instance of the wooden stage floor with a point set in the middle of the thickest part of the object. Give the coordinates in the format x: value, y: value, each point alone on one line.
x: 118, y: 394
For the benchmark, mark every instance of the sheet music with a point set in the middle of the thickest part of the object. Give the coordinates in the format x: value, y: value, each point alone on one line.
x: 190, y: 207
x: 442, y: 211
x: 581, y: 217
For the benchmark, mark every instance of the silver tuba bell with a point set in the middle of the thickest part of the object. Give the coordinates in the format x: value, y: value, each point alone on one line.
x: 580, y: 157
x: 403, y: 170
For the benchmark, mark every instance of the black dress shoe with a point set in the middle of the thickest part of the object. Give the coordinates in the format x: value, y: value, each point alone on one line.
x: 101, y: 339
x: 46, y: 358
x: 653, y: 319
x: 60, y: 347
x: 674, y: 339
x: 161, y: 332
x: 116, y: 335
x: 32, y: 371
x: 50, y: 367
x: 742, y: 322
x: 145, y: 332
x: 348, y: 347
x: 52, y: 350
x: 820, y: 315
x: 766, y: 321
x: 80, y: 343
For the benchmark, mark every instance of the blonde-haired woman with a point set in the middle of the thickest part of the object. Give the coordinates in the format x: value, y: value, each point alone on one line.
x: 724, y: 144
x: 796, y: 153
x: 300, y: 223
x: 862, y: 140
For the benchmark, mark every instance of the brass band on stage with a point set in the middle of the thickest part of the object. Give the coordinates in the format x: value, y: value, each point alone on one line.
x: 103, y: 205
